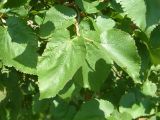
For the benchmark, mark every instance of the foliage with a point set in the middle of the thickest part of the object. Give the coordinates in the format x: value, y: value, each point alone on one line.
x: 79, y: 59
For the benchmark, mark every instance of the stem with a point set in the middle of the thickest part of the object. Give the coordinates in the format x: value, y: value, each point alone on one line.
x: 77, y: 20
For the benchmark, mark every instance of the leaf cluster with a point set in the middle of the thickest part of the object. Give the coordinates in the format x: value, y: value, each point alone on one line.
x: 79, y: 59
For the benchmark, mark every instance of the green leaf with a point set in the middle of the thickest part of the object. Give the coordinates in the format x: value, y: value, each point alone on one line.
x: 3, y: 93
x: 14, y: 97
x: 59, y: 62
x: 92, y: 43
x: 15, y: 3
x: 154, y: 46
x: 46, y: 30
x: 62, y: 111
x: 40, y: 106
x: 1, y: 64
x: 97, y: 66
x: 18, y: 44
x: 120, y: 46
x: 61, y: 33
x: 120, y: 116
x: 158, y: 114
x: 117, y: 45
x: 144, y: 13
x: 88, y: 6
x: 116, y: 6
x: 38, y: 20
x: 103, y: 23
x: 68, y: 90
x: 149, y: 88
x: 2, y: 2
x: 61, y: 16
x: 22, y: 11
x: 152, y: 14
x: 136, y: 10
x: 94, y: 78
x: 129, y: 103
x: 127, y: 100
x: 94, y: 110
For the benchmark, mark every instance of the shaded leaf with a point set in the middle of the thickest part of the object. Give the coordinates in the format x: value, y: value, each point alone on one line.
x: 19, y: 46
x: 154, y: 46
x: 15, y: 3
x: 94, y: 110
x: 129, y: 103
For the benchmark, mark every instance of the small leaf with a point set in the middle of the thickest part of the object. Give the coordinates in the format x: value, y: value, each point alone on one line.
x: 149, y: 88
x: 104, y: 23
